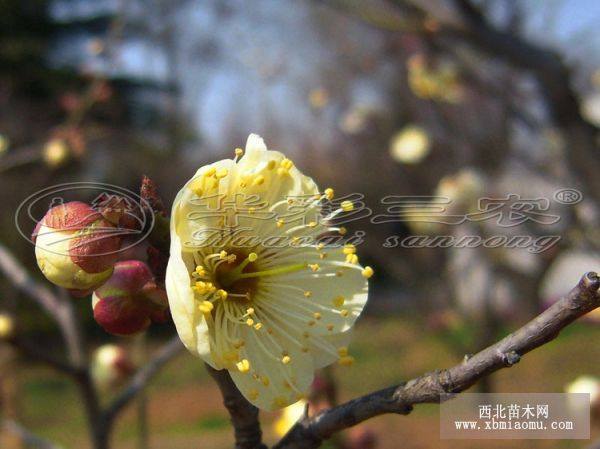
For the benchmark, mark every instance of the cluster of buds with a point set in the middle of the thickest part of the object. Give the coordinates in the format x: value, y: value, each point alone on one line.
x: 111, y: 365
x: 77, y: 247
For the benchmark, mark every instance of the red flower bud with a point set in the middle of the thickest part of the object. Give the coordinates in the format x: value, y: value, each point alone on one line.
x: 130, y: 300
x: 75, y: 246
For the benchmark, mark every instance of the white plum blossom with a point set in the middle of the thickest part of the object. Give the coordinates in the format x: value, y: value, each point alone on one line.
x: 252, y: 286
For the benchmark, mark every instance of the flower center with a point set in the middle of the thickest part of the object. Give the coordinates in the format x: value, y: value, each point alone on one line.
x: 228, y: 276
x: 242, y: 275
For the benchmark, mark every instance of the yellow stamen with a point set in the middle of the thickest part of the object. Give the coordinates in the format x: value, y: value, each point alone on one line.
x: 259, y: 180
x: 222, y: 294
x: 344, y: 313
x: 210, y: 172
x: 243, y: 366
x: 206, y: 307
x: 286, y: 359
x: 196, y: 186
x: 349, y: 249
x: 347, y: 206
x: 342, y: 351
x: 352, y: 258
x: 367, y: 272
x: 221, y: 173
x: 338, y: 301
x: 346, y: 360
x: 329, y: 193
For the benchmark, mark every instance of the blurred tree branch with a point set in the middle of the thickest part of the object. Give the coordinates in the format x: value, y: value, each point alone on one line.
x: 554, y: 79
x: 309, y: 433
x: 141, y: 378
x: 28, y: 437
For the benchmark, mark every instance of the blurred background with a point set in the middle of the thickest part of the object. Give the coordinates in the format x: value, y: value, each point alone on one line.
x: 401, y: 102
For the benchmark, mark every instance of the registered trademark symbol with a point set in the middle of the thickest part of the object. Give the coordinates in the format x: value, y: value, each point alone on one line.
x: 568, y: 196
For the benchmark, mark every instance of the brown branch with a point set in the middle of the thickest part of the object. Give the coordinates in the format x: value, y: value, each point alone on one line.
x: 308, y: 433
x: 244, y: 416
x: 141, y: 378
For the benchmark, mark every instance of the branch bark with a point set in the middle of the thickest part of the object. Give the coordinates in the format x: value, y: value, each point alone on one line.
x: 141, y: 378
x: 244, y: 416
x: 309, y: 433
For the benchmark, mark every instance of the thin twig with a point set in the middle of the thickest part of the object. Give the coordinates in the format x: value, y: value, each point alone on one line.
x: 19, y: 277
x: 141, y: 378
x: 29, y: 438
x: 309, y: 433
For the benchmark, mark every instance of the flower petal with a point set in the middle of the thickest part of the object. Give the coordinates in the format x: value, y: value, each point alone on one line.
x: 272, y: 384
x: 190, y: 323
x: 338, y: 293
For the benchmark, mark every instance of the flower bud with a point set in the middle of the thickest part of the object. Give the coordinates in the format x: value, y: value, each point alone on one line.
x: 111, y: 365
x: 75, y: 246
x: 7, y: 326
x: 130, y: 300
